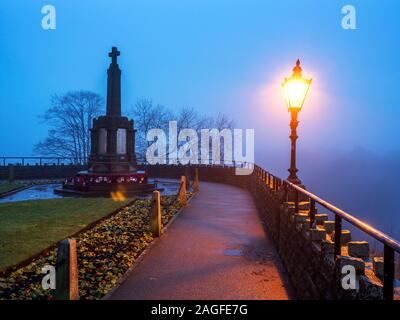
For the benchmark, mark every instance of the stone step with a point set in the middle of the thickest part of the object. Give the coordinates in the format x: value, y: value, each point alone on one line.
x: 345, y: 237
x: 358, y: 249
x: 317, y: 234
x: 327, y: 247
x: 357, y: 263
x: 377, y: 266
x: 320, y: 218
x: 300, y: 217
x: 303, y: 205
x: 329, y: 226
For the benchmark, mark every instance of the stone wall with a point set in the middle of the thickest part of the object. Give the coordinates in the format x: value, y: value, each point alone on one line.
x: 217, y: 174
x: 307, y: 254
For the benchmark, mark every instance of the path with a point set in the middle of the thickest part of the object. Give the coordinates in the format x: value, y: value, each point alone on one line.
x: 215, y: 249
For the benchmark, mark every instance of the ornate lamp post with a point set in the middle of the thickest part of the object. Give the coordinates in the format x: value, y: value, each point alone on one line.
x: 295, y: 89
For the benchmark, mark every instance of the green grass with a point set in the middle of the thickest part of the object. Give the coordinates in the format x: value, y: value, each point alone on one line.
x: 27, y: 227
x: 5, y: 187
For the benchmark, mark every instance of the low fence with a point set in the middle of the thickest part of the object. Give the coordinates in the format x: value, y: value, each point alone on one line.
x: 20, y: 172
x: 40, y: 161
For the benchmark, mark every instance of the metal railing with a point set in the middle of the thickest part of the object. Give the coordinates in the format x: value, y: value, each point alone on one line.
x: 41, y: 161
x: 391, y: 246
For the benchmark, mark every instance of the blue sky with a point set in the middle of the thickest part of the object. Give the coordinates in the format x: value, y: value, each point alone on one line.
x: 213, y: 55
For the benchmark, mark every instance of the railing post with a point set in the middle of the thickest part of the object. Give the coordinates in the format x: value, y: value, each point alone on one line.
x: 182, y: 192
x: 187, y: 177
x: 296, y: 201
x: 11, y: 173
x: 196, y: 180
x: 338, y: 235
x: 67, y: 271
x: 312, y: 212
x: 388, y: 272
x: 155, y: 224
x: 285, y: 194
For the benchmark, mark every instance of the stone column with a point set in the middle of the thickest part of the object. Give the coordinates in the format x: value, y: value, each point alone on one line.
x: 94, y: 142
x: 133, y: 144
x: 111, y: 141
x: 129, y: 142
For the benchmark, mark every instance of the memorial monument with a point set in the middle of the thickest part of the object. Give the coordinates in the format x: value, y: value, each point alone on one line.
x: 112, y: 160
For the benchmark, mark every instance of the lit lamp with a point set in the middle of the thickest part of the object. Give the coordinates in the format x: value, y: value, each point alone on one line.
x: 295, y: 90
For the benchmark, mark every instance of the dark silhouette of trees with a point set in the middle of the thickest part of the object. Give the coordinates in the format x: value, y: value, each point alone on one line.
x: 148, y: 115
x: 70, y: 118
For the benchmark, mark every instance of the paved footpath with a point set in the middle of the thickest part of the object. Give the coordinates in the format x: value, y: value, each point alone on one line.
x: 215, y: 249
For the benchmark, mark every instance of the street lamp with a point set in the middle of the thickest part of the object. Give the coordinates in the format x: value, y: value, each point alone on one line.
x: 295, y: 90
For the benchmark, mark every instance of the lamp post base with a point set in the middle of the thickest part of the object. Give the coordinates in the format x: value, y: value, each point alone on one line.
x: 292, y: 192
x: 295, y: 181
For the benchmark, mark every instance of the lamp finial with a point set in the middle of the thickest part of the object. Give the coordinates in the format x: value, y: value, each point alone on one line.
x: 297, y: 69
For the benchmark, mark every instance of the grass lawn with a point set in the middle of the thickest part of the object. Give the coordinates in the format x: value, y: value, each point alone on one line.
x: 27, y: 227
x: 5, y: 187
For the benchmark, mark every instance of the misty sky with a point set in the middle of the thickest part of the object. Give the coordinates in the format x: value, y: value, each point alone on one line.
x: 225, y: 56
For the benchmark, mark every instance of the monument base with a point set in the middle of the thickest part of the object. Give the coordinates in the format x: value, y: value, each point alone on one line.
x: 90, y: 184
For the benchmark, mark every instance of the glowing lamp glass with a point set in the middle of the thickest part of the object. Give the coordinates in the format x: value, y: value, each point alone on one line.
x: 295, y: 89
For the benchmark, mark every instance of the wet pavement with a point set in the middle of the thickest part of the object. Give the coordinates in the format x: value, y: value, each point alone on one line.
x: 215, y: 249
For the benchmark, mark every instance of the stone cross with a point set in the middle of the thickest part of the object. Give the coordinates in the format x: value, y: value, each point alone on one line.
x: 114, y: 54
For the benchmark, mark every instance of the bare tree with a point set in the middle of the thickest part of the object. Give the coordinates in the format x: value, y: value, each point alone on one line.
x: 223, y: 122
x: 148, y: 116
x: 70, y: 118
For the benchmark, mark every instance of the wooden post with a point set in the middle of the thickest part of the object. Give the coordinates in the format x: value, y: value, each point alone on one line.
x: 155, y: 224
x: 11, y: 173
x: 182, y: 192
x: 67, y: 271
x: 196, y: 180
x: 187, y: 177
